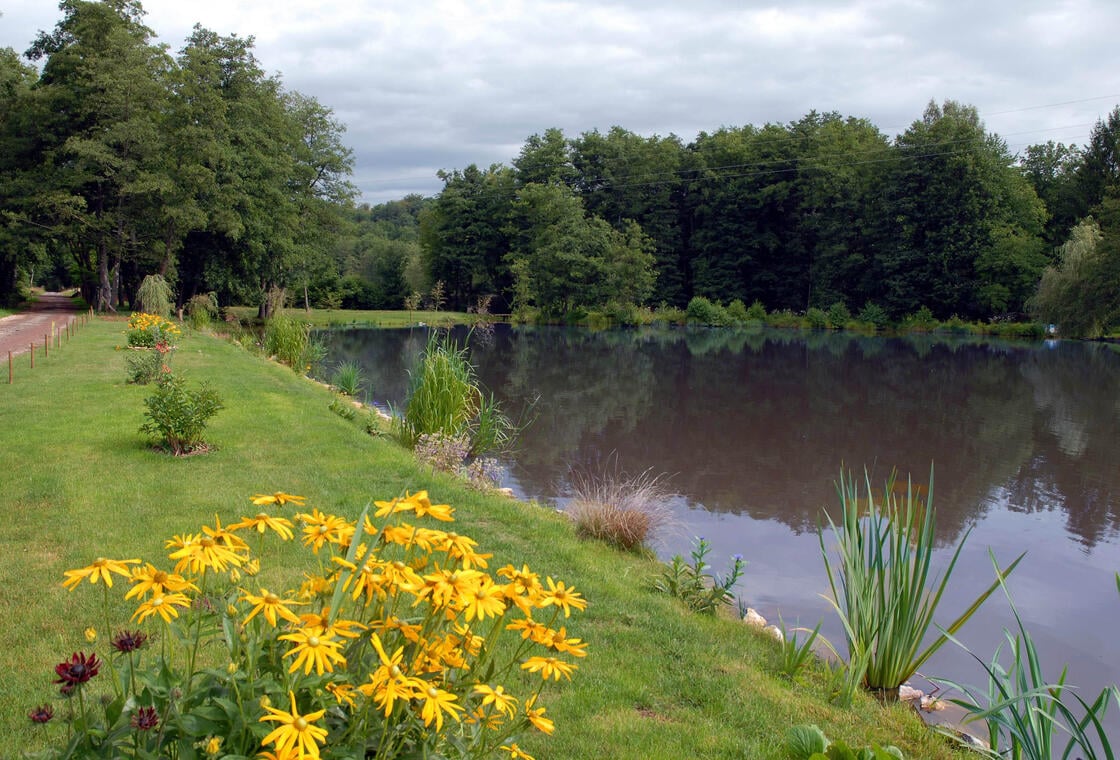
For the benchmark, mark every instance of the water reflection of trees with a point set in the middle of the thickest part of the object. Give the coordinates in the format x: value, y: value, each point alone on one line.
x: 760, y: 422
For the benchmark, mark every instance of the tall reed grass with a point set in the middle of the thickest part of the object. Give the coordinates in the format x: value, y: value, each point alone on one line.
x: 881, y: 583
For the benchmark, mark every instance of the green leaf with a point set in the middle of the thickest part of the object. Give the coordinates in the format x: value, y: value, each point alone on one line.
x: 806, y: 741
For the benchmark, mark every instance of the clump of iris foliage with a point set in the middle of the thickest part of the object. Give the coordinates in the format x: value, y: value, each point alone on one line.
x: 399, y: 643
x: 445, y: 397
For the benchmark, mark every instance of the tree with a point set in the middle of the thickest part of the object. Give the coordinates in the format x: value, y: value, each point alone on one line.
x: 1052, y: 170
x: 18, y: 238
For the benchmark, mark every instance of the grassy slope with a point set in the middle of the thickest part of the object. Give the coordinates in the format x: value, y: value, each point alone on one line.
x: 380, y: 318
x: 77, y: 481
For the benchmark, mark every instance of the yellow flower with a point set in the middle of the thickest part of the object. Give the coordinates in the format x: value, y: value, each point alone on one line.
x: 271, y: 605
x: 166, y: 605
x: 497, y: 696
x: 484, y: 600
x: 264, y: 521
x: 295, y: 731
x: 101, y: 568
x: 279, y: 499
x: 549, y: 667
x: 436, y: 703
x: 425, y: 508
x: 201, y: 552
x: 536, y: 717
x: 515, y: 752
x: 562, y: 596
x: 313, y: 648
x: 149, y: 580
x: 559, y: 642
x: 320, y: 529
x: 342, y: 692
x: 91, y: 634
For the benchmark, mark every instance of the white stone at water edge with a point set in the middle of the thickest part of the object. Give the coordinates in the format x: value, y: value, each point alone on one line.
x: 776, y: 632
x: 753, y: 619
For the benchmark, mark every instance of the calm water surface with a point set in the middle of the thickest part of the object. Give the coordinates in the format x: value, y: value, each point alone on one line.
x: 754, y: 428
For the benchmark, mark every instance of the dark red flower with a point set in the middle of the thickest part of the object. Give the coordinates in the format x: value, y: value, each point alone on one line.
x: 41, y: 714
x: 77, y: 670
x: 145, y: 719
x: 129, y: 641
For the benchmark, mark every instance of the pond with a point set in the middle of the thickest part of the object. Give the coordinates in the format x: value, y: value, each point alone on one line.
x: 752, y: 428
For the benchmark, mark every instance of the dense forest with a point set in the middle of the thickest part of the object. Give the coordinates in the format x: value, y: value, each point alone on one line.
x: 118, y: 160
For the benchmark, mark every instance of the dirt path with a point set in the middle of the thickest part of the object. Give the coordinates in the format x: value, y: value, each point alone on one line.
x: 19, y: 331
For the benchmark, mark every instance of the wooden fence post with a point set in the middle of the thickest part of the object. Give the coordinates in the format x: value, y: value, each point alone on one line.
x: 9, y: 368
x: 32, y: 356
x: 46, y: 351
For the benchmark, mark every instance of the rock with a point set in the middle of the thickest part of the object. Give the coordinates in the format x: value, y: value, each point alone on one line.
x: 753, y: 619
x: 776, y: 632
x: 907, y: 693
x: 932, y: 704
x: 505, y: 492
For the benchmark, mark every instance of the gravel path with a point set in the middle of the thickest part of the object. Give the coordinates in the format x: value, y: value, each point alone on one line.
x: 19, y: 331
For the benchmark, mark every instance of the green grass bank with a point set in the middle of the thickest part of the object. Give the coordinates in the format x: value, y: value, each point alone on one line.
x: 78, y: 481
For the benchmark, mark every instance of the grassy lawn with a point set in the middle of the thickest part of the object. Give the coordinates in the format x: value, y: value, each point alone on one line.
x: 379, y: 318
x: 79, y: 482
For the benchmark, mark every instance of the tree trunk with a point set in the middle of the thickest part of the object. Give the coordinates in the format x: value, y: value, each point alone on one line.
x: 104, y: 286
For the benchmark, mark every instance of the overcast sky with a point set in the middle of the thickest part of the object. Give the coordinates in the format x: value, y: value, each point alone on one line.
x: 423, y: 86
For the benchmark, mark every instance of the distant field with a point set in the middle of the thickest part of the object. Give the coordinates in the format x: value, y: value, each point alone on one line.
x: 380, y: 318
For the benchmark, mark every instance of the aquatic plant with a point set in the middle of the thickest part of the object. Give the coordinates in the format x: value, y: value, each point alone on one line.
x: 347, y: 378
x: 881, y: 584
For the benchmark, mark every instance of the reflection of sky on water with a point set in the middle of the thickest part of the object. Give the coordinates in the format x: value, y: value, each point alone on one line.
x: 753, y: 428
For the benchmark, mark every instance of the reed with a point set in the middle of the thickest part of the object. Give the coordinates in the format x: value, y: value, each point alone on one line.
x: 881, y: 581
x: 347, y: 378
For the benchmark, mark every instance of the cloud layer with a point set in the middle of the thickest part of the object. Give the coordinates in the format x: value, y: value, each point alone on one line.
x: 442, y: 84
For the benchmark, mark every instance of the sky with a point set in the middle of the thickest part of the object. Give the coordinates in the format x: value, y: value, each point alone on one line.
x: 424, y: 85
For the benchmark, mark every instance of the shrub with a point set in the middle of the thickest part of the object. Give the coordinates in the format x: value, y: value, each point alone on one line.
x: 920, y: 321
x: 445, y: 397
x: 874, y: 314
x: 693, y: 584
x: 347, y: 378
x: 289, y: 340
x: 737, y: 312
x: 146, y: 330
x: 783, y: 318
x: 178, y: 415
x: 756, y: 311
x: 621, y: 510
x: 396, y: 644
x: 816, y: 319
x: 442, y: 452
x: 154, y: 296
x: 704, y: 312
x: 838, y: 315
x: 201, y: 310
x: 880, y: 581
x: 143, y: 365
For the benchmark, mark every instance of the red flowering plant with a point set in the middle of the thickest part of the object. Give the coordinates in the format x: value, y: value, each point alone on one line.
x: 399, y: 643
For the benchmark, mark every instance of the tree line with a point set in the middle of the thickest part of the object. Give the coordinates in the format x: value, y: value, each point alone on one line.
x: 118, y: 160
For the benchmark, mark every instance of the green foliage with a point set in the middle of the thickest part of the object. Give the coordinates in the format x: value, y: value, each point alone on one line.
x: 737, y: 312
x: 796, y: 653
x: 289, y: 340
x: 694, y: 584
x: 804, y: 741
x: 622, y: 510
x: 920, y: 321
x: 838, y: 315
x: 756, y: 311
x: 1069, y: 294
x: 341, y: 405
x: 874, y: 314
x: 816, y: 319
x: 201, y: 310
x: 1026, y: 715
x: 701, y: 311
x: 347, y: 378
x: 808, y: 742
x: 154, y: 296
x: 880, y: 580
x: 143, y: 365
x: 178, y: 415
x: 445, y: 397
x: 783, y: 318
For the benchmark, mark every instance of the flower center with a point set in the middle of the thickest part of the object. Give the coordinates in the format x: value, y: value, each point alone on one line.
x: 271, y: 598
x: 313, y: 641
x: 157, y: 602
x: 300, y: 724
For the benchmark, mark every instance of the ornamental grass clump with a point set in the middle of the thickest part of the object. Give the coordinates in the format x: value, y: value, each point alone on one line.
x: 626, y: 511
x: 399, y: 642
x: 881, y: 584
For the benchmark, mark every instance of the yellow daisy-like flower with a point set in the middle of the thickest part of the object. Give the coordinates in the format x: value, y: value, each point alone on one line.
x: 515, y: 752
x: 496, y: 695
x: 562, y: 596
x: 425, y: 508
x: 436, y: 703
x: 279, y: 499
x: 320, y: 529
x: 165, y: 605
x: 91, y: 634
x: 199, y: 553
x: 536, y: 717
x: 151, y: 580
x: 295, y: 731
x: 343, y: 693
x: 264, y: 521
x: 560, y: 642
x: 271, y: 605
x: 484, y: 600
x: 101, y: 568
x: 314, y: 648
x: 225, y: 535
x: 549, y: 667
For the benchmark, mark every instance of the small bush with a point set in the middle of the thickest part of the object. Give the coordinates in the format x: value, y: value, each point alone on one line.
x: 756, y: 311
x: 874, y: 314
x: 178, y: 415
x: 201, y: 310
x: 701, y: 311
x: 144, y: 365
x: 154, y: 296
x: 737, y: 312
x: 621, y: 510
x: 920, y: 321
x: 783, y: 318
x: 693, y: 584
x: 838, y: 315
x: 441, y: 451
x: 146, y: 330
x: 816, y: 319
x: 347, y: 378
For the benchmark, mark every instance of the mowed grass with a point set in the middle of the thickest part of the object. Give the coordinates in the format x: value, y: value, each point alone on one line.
x: 77, y: 481
x: 378, y: 318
